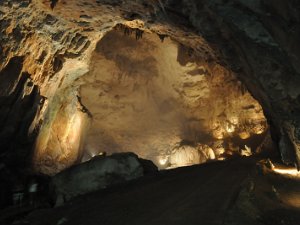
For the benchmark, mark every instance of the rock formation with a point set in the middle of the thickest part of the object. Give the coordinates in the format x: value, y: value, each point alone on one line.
x: 96, y: 174
x: 48, y: 57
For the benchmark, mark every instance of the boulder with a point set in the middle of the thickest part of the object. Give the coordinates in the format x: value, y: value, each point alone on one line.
x: 98, y: 173
x: 148, y: 166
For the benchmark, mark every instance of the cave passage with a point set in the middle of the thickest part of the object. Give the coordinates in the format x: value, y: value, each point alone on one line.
x: 156, y: 98
x: 149, y: 112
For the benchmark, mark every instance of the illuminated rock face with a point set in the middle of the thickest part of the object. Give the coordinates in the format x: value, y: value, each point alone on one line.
x: 147, y: 96
x: 186, y: 155
x: 48, y: 56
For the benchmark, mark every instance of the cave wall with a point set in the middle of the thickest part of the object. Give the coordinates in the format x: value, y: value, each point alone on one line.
x: 152, y: 97
x: 258, y: 40
x: 50, y: 49
x: 40, y: 57
x: 21, y: 103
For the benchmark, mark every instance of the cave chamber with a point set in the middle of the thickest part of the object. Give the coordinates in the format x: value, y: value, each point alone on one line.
x: 155, y: 96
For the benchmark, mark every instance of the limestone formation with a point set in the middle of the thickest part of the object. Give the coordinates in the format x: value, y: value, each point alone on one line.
x: 247, y: 50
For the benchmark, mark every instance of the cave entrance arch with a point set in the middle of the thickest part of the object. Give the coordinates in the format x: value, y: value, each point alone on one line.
x: 160, y: 99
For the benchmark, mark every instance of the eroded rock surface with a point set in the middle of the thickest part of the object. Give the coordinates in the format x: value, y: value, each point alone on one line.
x: 44, y: 52
x: 148, y: 96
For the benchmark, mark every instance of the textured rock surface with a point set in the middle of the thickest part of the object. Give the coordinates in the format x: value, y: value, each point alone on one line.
x: 259, y: 40
x: 44, y: 52
x: 96, y: 174
x: 147, y: 96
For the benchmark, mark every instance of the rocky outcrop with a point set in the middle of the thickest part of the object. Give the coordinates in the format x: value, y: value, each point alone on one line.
x: 98, y: 173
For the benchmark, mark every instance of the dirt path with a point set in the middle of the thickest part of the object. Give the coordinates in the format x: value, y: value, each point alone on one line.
x: 194, y: 195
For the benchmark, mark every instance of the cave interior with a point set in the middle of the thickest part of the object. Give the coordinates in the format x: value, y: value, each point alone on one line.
x: 101, y: 100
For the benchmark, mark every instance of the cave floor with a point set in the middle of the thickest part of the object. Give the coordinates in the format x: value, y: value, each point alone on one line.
x: 236, y: 191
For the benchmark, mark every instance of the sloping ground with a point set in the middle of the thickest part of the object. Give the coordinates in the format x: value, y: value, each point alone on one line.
x: 214, y: 193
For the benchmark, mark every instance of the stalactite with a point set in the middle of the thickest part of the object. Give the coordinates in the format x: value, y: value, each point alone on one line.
x: 138, y: 34
x: 53, y: 3
x: 162, y: 37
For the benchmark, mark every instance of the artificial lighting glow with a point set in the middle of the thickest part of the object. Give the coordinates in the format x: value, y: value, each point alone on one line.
x: 244, y: 135
x: 230, y: 128
x: 163, y: 161
x: 73, y: 129
x: 221, y: 158
x: 93, y: 154
x: 287, y: 171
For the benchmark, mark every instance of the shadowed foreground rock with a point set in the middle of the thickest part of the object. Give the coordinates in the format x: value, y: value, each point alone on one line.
x: 229, y: 192
x: 98, y: 173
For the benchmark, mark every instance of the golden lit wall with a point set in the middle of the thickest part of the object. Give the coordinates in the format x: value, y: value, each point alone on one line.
x: 147, y: 96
